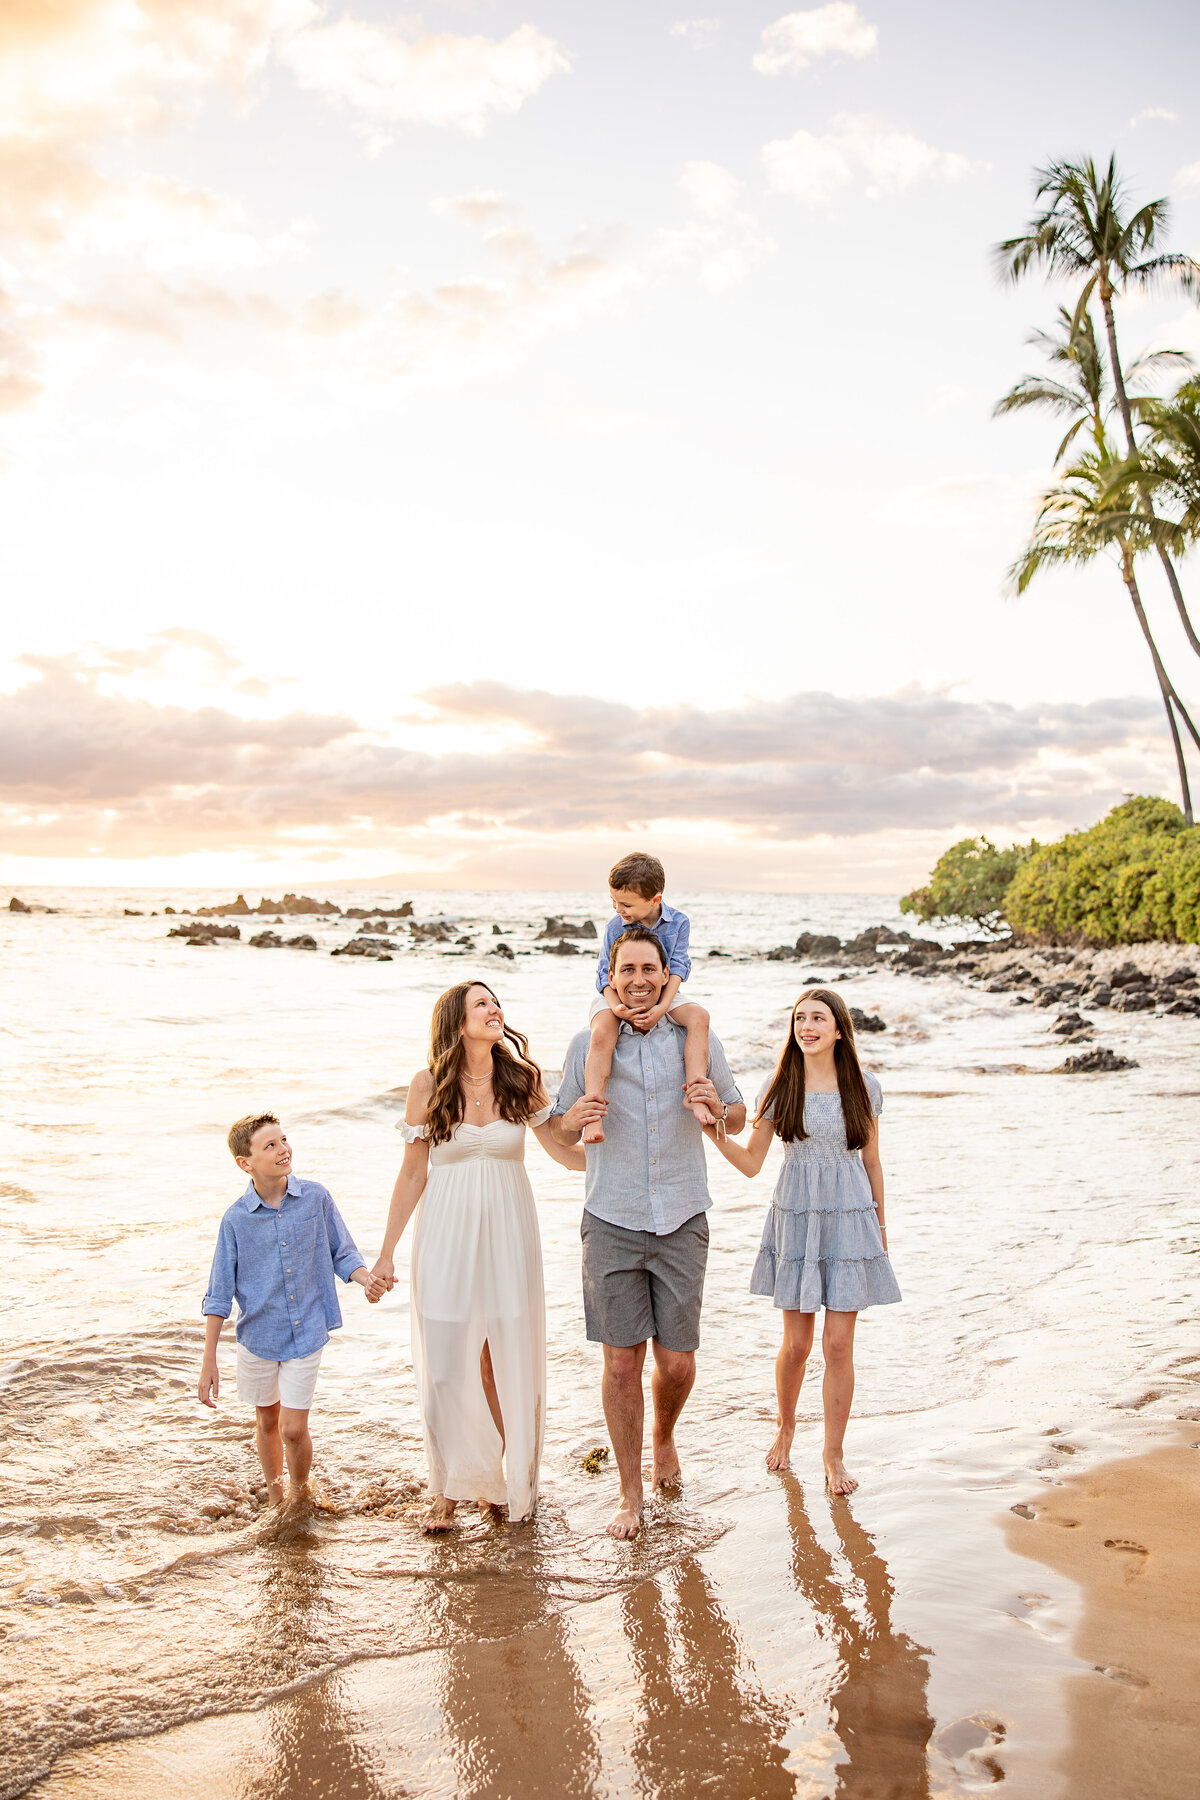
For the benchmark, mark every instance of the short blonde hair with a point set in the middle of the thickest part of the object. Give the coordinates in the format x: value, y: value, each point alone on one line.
x: 241, y: 1135
x: 638, y: 874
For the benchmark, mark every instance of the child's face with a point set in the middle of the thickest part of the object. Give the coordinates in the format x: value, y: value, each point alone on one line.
x: 635, y: 908
x: 270, y: 1155
x: 814, y: 1026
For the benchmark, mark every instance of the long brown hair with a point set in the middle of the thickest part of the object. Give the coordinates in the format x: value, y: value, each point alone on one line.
x: 516, y: 1079
x: 784, y: 1099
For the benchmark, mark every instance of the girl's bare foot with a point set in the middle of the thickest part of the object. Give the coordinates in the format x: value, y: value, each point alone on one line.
x: 837, y: 1478
x: 779, y: 1456
x: 438, y: 1515
x: 626, y: 1520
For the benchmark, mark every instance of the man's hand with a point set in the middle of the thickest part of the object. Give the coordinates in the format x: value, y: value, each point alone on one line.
x: 210, y: 1383
x: 585, y: 1112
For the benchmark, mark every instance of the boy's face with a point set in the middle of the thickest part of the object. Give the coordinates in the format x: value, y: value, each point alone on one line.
x: 635, y: 909
x: 270, y: 1155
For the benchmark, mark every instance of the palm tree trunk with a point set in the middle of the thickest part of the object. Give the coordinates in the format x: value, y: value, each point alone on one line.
x: 1164, y: 684
x: 1118, y: 375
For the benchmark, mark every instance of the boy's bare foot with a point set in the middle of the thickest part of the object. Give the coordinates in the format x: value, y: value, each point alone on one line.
x: 626, y: 1520
x: 593, y: 1134
x: 779, y: 1456
x: 701, y: 1113
x: 837, y: 1478
x: 439, y: 1514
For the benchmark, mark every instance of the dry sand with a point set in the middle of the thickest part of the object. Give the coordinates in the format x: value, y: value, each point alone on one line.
x: 1129, y: 1533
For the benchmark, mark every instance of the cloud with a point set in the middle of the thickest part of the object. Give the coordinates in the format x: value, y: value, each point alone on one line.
x: 710, y: 190
x: 699, y: 33
x: 483, y: 208
x: 80, y: 766
x: 1189, y: 176
x: 386, y: 76
x: 795, y: 41
x: 1150, y: 112
x: 813, y: 168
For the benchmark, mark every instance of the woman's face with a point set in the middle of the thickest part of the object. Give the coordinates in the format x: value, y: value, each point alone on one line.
x: 483, y: 1017
x: 814, y: 1027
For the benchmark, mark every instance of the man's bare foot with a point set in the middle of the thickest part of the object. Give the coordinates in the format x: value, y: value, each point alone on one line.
x: 438, y: 1515
x: 779, y: 1456
x: 837, y: 1478
x: 667, y: 1472
x: 626, y: 1520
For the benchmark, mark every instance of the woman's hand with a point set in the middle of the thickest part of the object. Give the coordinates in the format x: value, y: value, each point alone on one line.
x: 381, y: 1280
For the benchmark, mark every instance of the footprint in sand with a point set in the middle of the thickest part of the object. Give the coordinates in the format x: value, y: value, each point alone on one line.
x: 1137, y: 1553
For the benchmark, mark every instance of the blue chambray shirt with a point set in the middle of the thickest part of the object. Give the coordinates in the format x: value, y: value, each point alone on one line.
x: 278, y: 1263
x: 649, y: 1174
x: 672, y: 931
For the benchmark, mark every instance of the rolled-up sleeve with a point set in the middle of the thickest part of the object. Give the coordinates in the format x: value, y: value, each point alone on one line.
x: 678, y: 961
x: 720, y: 1074
x: 606, y: 943
x: 218, y: 1301
x: 342, y: 1248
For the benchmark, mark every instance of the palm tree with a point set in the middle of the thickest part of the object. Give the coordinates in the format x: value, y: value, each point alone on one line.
x: 1085, y: 515
x: 1084, y: 229
x: 1169, y: 461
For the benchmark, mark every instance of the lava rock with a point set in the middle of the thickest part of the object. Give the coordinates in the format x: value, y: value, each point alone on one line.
x: 1100, y: 995
x: 1185, y: 1004
x: 233, y: 908
x: 1094, y: 1062
x: 207, y: 934
x: 503, y: 949
x: 303, y: 942
x: 866, y: 1021
x: 296, y: 903
x: 1128, y: 975
x: 562, y: 928
x: 1054, y: 991
x: 266, y: 940
x: 813, y: 944
x: 496, y: 931
x: 131, y: 912
x: 1069, y: 1023
x: 562, y: 948
x: 1133, y: 999
x: 436, y: 932
x: 379, y: 948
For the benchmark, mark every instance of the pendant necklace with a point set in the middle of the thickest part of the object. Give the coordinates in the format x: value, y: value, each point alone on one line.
x: 477, y: 1079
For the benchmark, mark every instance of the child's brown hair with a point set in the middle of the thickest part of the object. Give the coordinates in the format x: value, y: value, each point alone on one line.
x: 241, y: 1135
x: 638, y: 874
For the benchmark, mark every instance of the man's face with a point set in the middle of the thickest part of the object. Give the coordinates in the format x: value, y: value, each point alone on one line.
x: 635, y: 909
x: 270, y: 1156
x: 639, y: 976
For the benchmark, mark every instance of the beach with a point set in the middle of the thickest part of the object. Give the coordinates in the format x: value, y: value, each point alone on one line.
x: 943, y: 1631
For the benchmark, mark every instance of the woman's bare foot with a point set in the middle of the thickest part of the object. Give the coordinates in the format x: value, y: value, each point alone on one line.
x: 489, y: 1511
x: 779, y: 1456
x: 838, y: 1480
x: 626, y: 1520
x: 439, y: 1514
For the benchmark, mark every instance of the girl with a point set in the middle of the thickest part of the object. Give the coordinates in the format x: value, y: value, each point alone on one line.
x: 478, y: 1307
x: 824, y: 1242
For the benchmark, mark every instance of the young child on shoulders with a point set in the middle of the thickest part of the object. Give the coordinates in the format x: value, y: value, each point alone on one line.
x: 636, y: 885
x: 278, y: 1249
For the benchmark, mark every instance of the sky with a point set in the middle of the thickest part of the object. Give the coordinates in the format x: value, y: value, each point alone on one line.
x: 466, y: 444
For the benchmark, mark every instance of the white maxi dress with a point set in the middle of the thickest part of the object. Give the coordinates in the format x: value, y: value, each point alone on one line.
x: 476, y: 1279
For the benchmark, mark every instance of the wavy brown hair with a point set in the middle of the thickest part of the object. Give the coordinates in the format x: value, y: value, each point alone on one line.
x: 784, y: 1099
x: 516, y: 1079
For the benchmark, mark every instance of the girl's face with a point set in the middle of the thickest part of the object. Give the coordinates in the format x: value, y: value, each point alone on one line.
x: 814, y: 1027
x: 483, y: 1018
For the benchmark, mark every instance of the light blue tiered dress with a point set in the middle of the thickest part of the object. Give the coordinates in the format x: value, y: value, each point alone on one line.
x: 821, y: 1243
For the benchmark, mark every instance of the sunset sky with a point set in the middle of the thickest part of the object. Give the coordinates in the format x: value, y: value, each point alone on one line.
x: 467, y: 443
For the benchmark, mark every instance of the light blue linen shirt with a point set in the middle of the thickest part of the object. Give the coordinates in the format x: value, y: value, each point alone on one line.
x: 649, y: 1174
x: 673, y: 930
x: 278, y: 1263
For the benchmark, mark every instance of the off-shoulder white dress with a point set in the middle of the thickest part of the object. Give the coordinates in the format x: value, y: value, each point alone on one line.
x: 476, y: 1278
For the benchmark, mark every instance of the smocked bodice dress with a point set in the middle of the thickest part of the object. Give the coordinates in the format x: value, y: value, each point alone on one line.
x: 476, y: 1279
x: 821, y: 1243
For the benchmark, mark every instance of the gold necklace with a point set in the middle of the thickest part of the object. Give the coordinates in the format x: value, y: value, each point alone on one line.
x: 477, y: 1079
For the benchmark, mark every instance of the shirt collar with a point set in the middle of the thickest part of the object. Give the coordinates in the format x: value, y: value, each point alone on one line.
x: 668, y: 914
x: 625, y: 1026
x: 252, y: 1199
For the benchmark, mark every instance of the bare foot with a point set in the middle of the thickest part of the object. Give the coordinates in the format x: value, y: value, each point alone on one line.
x: 779, y: 1456
x: 438, y: 1515
x: 837, y: 1479
x: 594, y: 1134
x: 667, y: 1472
x: 488, y: 1510
x: 702, y: 1114
x: 626, y: 1520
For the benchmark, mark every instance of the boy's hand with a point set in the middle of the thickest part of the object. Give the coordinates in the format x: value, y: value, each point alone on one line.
x: 646, y: 1021
x: 210, y: 1384
x: 381, y: 1280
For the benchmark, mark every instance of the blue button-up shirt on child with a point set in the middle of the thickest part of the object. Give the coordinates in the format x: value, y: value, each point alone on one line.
x: 649, y: 1174
x: 278, y: 1263
x: 672, y: 931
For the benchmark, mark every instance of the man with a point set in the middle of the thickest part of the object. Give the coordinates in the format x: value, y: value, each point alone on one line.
x: 645, y: 1236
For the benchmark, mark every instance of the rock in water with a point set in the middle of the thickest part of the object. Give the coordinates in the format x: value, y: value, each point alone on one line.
x: 16, y: 905
x: 562, y: 928
x: 303, y: 942
x: 266, y: 940
x: 562, y: 948
x: 1094, y: 1062
x: 204, y: 934
x: 504, y: 950
x: 866, y: 1021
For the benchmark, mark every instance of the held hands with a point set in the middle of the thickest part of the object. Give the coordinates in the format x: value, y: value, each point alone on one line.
x: 210, y: 1383
x: 381, y: 1280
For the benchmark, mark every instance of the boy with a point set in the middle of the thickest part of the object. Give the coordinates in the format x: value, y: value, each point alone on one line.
x: 278, y: 1250
x: 636, y: 886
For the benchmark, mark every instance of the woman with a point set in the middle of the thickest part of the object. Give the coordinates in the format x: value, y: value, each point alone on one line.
x: 478, y: 1308
x: 825, y: 1241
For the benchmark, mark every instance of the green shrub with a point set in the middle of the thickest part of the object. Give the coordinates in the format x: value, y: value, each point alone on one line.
x: 1133, y: 877
x: 969, y: 884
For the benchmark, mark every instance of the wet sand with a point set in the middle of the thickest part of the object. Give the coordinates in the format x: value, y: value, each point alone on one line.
x: 1128, y: 1533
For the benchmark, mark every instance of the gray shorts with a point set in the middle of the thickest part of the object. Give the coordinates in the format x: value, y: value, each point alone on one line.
x: 637, y: 1285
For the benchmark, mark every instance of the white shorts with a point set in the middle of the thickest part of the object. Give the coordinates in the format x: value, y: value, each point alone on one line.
x: 600, y: 1004
x: 263, y: 1382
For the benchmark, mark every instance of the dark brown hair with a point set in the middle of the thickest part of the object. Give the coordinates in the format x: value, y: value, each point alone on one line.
x: 638, y: 874
x: 241, y: 1135
x: 636, y: 934
x: 516, y: 1080
x: 784, y: 1099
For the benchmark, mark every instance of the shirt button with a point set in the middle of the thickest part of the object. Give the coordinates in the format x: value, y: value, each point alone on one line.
x: 285, y: 1243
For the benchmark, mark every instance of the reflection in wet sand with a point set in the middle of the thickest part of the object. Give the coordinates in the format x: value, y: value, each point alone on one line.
x: 514, y: 1704
x: 702, y: 1709
x: 880, y: 1709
